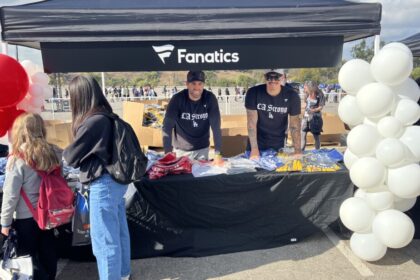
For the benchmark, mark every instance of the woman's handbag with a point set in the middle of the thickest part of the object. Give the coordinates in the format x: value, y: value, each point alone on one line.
x: 316, y: 123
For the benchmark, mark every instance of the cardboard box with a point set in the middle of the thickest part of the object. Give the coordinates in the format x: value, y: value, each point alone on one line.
x: 59, y: 132
x: 133, y: 114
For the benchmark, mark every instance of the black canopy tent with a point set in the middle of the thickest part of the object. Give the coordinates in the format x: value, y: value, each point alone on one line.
x: 413, y: 42
x: 124, y: 35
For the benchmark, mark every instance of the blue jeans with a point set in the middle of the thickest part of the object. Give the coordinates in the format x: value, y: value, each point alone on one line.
x: 109, y: 229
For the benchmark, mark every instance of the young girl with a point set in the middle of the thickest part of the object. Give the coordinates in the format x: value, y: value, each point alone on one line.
x: 91, y: 149
x: 30, y: 151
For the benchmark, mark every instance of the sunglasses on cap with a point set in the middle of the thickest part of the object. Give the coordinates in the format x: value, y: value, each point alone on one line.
x: 273, y: 77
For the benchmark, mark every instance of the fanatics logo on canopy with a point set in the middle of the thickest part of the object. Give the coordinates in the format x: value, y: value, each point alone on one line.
x: 185, y: 56
x: 164, y: 51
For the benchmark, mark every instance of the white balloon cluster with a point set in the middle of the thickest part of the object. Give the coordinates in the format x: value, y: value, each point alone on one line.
x: 39, y: 90
x: 383, y: 150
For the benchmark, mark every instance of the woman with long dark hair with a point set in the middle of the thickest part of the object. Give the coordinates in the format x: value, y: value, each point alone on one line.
x: 312, y: 117
x: 91, y: 151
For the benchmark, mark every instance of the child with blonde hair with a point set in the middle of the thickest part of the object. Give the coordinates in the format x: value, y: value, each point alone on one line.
x: 30, y: 152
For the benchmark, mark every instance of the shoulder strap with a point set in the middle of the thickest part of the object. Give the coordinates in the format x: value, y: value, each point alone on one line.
x: 28, y: 202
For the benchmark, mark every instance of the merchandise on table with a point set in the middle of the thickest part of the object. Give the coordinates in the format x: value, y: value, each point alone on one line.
x: 200, y: 169
x: 2, y: 177
x: 3, y: 162
x: 239, y: 165
x: 170, y: 164
x: 268, y: 160
x: 312, y: 161
x: 152, y: 157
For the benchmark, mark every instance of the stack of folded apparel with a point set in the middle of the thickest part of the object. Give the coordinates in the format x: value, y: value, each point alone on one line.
x: 202, y: 169
x: 237, y: 165
x: 268, y: 159
x: 170, y: 164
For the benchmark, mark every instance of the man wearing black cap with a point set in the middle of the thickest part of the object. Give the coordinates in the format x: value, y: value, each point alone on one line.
x: 268, y: 107
x: 188, y: 119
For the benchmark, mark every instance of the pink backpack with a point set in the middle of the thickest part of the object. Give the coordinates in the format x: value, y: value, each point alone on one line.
x: 55, y: 204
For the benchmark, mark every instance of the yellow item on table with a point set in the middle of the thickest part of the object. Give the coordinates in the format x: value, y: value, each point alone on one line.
x: 291, y: 165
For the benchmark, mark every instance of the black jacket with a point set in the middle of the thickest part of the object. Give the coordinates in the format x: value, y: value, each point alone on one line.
x: 92, y: 147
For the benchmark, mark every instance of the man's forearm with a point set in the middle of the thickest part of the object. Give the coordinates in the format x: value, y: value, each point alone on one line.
x: 252, y: 128
x: 295, y: 132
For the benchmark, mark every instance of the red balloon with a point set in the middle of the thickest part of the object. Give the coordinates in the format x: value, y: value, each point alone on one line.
x: 14, y: 82
x: 7, y: 117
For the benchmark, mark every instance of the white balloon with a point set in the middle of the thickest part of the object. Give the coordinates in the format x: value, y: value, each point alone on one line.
x: 367, y: 172
x: 48, y: 92
x: 40, y: 78
x: 391, y: 66
x: 24, y: 104
x: 411, y: 138
x: 380, y: 188
x: 393, y: 228
x: 356, y: 215
x: 400, y: 46
x: 348, y: 111
x: 407, y: 89
x: 391, y: 152
x: 367, y: 247
x: 404, y: 204
x: 29, y: 66
x: 36, y: 90
x: 380, y: 201
x: 360, y: 193
x: 36, y: 102
x: 349, y: 158
x: 404, y: 181
x: 375, y: 100
x: 407, y: 111
x: 371, y: 121
x: 362, y: 140
x: 390, y: 127
x: 354, y: 74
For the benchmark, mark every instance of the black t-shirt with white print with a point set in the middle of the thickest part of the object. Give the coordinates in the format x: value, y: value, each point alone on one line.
x: 273, y: 114
x: 190, y: 122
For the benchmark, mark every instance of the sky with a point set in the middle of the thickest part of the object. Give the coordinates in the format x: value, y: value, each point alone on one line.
x: 400, y: 19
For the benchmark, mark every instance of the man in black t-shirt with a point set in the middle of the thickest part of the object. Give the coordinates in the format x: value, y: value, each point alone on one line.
x: 188, y: 119
x: 268, y: 107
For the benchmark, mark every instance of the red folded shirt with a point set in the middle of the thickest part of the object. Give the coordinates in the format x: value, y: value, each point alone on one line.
x: 170, y: 164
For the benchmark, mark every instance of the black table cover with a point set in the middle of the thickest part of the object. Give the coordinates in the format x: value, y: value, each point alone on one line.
x: 186, y: 216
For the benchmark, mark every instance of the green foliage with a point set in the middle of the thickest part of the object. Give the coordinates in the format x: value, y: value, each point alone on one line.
x: 363, y: 51
x: 245, y: 80
x: 211, y: 78
x: 416, y: 62
x: 224, y: 82
x: 416, y: 73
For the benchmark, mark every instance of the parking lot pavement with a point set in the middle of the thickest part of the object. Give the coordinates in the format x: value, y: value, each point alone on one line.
x: 318, y: 257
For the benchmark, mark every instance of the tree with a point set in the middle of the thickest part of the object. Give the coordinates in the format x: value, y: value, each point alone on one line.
x: 416, y: 73
x: 363, y: 51
x: 245, y: 80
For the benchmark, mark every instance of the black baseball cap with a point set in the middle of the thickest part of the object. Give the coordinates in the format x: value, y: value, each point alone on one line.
x: 196, y: 76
